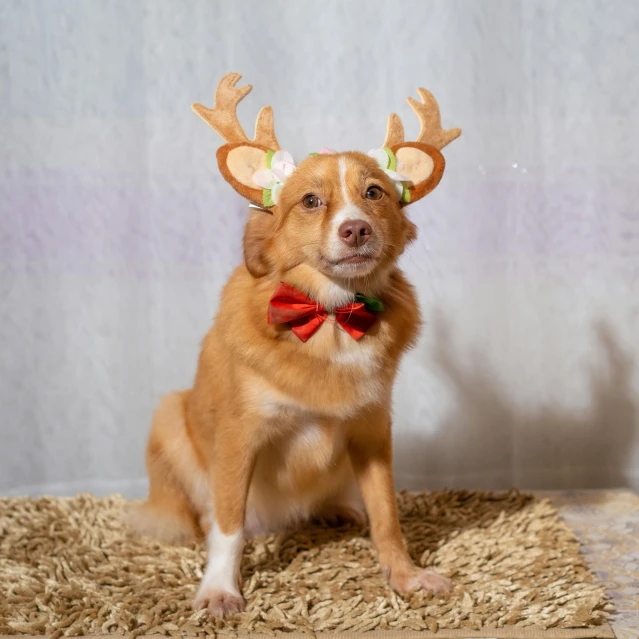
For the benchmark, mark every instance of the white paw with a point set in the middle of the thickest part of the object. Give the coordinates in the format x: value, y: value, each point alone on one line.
x: 219, y: 603
x: 219, y: 592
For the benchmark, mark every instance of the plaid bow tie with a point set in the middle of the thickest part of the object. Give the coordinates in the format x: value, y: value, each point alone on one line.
x: 289, y: 305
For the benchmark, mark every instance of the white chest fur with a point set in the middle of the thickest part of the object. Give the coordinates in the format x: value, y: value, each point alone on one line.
x: 361, y: 355
x: 332, y: 343
x: 360, y: 361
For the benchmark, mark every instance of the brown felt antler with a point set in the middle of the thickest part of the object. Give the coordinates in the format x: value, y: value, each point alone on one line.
x: 239, y: 158
x: 223, y: 116
x: 421, y: 160
x: 431, y: 132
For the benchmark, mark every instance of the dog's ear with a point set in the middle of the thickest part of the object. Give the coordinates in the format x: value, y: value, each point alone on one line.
x: 420, y: 161
x: 258, y: 236
x: 410, y: 231
x: 241, y: 158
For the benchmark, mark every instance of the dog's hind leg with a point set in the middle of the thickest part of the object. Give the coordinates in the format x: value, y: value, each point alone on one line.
x: 168, y: 513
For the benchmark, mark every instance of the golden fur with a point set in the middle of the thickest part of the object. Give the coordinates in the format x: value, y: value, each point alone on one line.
x: 276, y: 430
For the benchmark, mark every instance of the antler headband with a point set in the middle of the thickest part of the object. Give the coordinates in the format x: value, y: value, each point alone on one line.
x: 257, y: 168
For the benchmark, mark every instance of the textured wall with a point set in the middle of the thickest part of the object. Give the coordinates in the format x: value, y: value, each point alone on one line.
x: 116, y: 232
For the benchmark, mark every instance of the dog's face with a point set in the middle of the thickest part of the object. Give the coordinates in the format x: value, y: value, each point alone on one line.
x: 340, y: 215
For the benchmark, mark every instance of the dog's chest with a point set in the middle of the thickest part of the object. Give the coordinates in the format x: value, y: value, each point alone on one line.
x: 333, y: 344
x: 338, y: 357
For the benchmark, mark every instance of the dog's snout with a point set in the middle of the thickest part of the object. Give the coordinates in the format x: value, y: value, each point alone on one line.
x: 355, y: 232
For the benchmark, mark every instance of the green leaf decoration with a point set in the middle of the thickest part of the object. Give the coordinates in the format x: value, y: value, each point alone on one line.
x: 267, y: 200
x: 371, y: 303
x: 392, y: 160
x: 269, y: 159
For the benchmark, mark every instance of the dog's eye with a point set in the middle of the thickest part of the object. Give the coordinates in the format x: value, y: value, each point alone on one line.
x: 374, y: 193
x: 311, y: 201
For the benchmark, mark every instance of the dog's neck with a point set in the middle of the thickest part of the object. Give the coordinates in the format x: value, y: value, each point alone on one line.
x: 333, y: 292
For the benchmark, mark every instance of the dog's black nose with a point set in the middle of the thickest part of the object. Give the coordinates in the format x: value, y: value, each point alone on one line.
x: 355, y: 232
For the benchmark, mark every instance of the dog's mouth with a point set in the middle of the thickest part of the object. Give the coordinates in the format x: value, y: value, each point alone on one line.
x: 353, y: 265
x: 353, y: 259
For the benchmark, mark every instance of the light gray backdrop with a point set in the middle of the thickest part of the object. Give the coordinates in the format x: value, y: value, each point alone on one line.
x: 117, y: 233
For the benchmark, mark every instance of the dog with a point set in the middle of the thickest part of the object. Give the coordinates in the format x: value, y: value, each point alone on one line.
x: 289, y: 417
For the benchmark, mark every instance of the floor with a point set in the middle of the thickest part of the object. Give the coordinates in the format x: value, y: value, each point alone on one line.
x: 607, y: 524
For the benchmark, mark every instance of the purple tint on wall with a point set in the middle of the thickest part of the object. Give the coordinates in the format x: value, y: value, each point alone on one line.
x: 63, y: 221
x: 562, y: 218
x: 58, y: 222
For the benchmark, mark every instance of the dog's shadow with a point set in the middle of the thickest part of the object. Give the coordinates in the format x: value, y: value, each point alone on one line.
x: 490, y: 440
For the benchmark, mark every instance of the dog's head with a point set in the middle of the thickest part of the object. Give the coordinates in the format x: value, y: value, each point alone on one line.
x: 336, y: 214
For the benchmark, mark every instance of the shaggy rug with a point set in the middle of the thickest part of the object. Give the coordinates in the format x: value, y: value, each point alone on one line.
x: 68, y: 567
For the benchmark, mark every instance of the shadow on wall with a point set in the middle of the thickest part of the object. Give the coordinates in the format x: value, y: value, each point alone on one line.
x: 490, y: 442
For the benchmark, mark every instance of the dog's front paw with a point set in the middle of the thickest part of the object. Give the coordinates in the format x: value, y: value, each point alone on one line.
x: 219, y: 603
x: 418, y: 579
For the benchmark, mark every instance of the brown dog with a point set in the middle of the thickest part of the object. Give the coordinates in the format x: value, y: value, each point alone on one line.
x: 290, y: 410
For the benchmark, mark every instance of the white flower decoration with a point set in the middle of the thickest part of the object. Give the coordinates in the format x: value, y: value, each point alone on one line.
x: 273, y: 179
x: 383, y: 159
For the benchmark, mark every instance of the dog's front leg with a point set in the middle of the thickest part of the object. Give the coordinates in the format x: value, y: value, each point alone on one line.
x: 231, y: 466
x: 370, y: 450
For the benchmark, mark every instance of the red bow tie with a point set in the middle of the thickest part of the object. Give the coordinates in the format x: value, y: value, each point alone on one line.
x: 290, y: 306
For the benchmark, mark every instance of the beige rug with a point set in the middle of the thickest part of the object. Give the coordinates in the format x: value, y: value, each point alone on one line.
x: 68, y: 567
